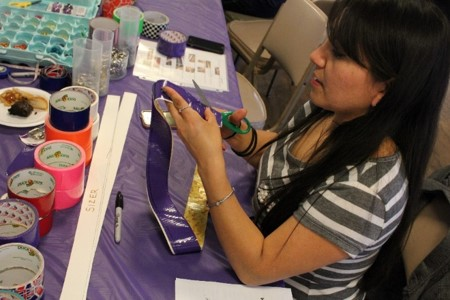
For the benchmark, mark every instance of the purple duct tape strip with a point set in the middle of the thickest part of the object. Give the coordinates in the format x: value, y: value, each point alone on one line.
x: 191, y: 100
x: 171, y: 43
x: 179, y: 235
x: 19, y: 222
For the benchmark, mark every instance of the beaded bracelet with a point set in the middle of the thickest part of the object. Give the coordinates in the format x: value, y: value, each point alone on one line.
x: 217, y: 203
x: 251, y: 147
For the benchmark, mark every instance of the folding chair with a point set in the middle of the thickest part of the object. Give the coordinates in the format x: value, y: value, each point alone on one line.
x: 245, y: 37
x: 252, y: 101
x: 297, y: 29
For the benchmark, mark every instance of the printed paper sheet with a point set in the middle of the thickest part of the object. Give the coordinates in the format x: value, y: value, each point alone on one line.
x: 209, y: 70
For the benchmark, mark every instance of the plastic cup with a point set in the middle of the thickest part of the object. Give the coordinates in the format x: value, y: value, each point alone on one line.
x: 106, y: 38
x: 87, y: 63
x: 129, y: 32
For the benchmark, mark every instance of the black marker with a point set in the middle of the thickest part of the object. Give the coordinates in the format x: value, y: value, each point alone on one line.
x: 118, y: 218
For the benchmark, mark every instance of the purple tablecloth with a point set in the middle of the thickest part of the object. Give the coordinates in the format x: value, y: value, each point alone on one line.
x: 141, y: 266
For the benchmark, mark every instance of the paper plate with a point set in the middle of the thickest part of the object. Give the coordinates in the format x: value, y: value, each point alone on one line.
x: 37, y: 117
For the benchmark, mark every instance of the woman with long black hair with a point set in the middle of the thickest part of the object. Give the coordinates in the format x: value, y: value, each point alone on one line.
x: 335, y: 189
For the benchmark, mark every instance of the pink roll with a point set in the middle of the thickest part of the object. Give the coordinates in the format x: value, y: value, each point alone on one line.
x: 66, y: 161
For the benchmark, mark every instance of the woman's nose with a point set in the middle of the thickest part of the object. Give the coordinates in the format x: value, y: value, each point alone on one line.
x: 318, y: 57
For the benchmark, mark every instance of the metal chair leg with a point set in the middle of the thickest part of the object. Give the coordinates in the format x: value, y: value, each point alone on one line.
x: 275, y: 72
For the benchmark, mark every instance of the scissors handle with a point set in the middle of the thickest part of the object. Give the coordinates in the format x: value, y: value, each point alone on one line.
x: 226, y: 122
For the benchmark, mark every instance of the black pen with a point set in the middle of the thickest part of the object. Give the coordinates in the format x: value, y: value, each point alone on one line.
x: 118, y: 218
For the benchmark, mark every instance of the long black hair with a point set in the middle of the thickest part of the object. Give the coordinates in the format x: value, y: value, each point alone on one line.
x: 404, y: 43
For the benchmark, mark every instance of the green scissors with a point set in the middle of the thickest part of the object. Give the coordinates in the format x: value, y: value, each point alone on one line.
x: 23, y: 4
x: 225, y: 115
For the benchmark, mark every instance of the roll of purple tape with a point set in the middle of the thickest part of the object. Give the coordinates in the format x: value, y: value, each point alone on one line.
x: 54, y: 78
x: 172, y: 43
x: 19, y: 221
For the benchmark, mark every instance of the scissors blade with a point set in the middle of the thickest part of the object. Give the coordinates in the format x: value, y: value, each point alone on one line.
x: 200, y: 93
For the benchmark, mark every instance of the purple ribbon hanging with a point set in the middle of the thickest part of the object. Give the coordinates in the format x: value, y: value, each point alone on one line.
x: 179, y: 235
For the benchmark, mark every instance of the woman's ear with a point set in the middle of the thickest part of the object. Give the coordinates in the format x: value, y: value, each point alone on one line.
x: 380, y: 90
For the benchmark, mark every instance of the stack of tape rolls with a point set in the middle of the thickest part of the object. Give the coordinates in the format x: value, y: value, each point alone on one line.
x: 154, y: 23
x: 66, y: 162
x: 172, y: 43
x: 69, y: 119
x: 21, y: 272
x: 38, y: 188
x: 93, y: 112
x: 18, y: 223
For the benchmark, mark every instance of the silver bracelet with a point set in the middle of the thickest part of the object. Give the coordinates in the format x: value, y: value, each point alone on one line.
x: 217, y: 203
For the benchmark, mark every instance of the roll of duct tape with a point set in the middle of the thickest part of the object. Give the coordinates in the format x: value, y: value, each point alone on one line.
x: 18, y: 223
x: 83, y: 137
x: 38, y: 188
x: 92, y: 95
x: 69, y: 110
x: 21, y: 272
x: 54, y: 78
x: 66, y: 161
x: 154, y: 23
x: 117, y: 11
x: 172, y: 43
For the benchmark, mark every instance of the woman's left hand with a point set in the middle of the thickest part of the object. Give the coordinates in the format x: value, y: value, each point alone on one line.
x: 201, y: 136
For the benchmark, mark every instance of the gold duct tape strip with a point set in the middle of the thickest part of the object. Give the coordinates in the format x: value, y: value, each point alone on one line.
x: 196, y: 211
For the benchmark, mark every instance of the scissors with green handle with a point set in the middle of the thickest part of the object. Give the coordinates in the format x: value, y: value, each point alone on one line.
x: 23, y: 4
x: 225, y: 115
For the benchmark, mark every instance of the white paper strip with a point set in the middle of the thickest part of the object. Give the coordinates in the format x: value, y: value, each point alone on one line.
x: 122, y: 125
x: 186, y: 289
x: 103, y: 169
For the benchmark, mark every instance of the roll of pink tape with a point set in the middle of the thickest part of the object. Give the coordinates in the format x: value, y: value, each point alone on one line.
x: 66, y: 161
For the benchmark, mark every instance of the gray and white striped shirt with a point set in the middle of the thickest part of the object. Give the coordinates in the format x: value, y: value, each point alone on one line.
x: 357, y: 210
